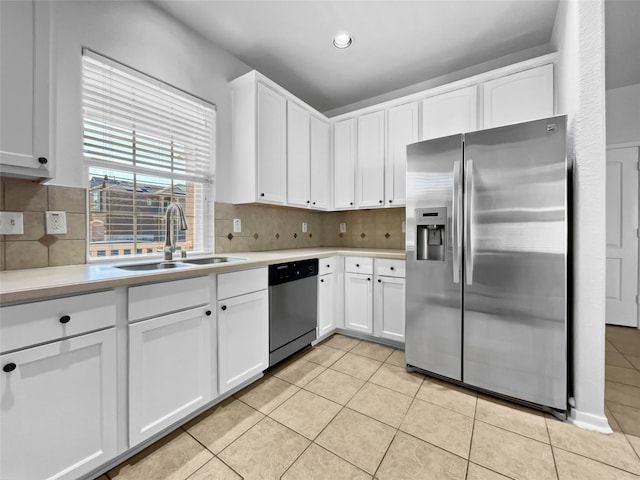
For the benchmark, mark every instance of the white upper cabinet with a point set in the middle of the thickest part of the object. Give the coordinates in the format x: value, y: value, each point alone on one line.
x: 25, y: 149
x: 450, y: 113
x: 344, y: 163
x: 402, y: 129
x: 298, y: 156
x: 519, y: 97
x: 370, y: 160
x: 272, y: 147
x: 320, y: 164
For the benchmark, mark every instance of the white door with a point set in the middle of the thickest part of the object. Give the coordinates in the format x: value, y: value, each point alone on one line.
x: 358, y: 302
x: 243, y: 338
x: 326, y: 304
x: 169, y: 370
x: 58, y: 408
x: 272, y: 146
x: 622, y: 237
x: 450, y: 113
x: 344, y: 163
x: 389, y: 311
x: 298, y: 151
x: 370, y: 160
x: 320, y: 164
x: 402, y: 129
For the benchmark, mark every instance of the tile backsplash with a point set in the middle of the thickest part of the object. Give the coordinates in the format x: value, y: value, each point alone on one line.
x: 34, y: 248
x: 263, y: 227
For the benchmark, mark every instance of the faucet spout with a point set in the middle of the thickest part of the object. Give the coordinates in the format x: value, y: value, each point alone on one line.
x: 169, y: 240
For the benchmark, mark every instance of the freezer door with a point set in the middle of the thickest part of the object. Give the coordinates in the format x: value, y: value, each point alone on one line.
x: 433, y: 331
x: 515, y: 292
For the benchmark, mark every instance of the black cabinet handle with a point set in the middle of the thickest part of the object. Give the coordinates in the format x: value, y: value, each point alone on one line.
x: 390, y: 201
x: 328, y: 266
x: 350, y: 203
x: 314, y: 203
x: 262, y: 194
x: 42, y: 161
x: 223, y: 307
x: 368, y: 279
x: 65, y: 319
x: 358, y: 265
x: 307, y: 201
x: 392, y: 269
x: 322, y: 280
x: 207, y: 313
x: 379, y: 281
x: 9, y: 367
x: 380, y: 201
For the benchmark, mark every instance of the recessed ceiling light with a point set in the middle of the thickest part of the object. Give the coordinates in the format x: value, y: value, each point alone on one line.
x: 342, y: 40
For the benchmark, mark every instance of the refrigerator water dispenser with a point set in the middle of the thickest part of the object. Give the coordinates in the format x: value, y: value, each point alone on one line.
x: 430, y: 227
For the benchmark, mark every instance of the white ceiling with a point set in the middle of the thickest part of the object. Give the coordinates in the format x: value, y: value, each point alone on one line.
x: 397, y: 43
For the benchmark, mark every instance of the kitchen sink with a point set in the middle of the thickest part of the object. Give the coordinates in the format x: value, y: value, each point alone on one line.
x: 210, y: 260
x: 151, y: 266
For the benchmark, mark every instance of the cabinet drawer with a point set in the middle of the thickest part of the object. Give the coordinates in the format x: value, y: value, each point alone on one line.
x: 242, y: 282
x: 358, y: 265
x: 39, y: 322
x: 327, y: 265
x: 390, y: 268
x: 161, y: 298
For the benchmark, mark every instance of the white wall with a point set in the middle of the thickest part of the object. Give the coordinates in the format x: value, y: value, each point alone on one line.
x: 579, y: 37
x: 623, y: 114
x: 141, y: 36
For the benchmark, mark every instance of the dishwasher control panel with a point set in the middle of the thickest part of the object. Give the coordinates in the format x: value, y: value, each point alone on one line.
x: 288, y: 272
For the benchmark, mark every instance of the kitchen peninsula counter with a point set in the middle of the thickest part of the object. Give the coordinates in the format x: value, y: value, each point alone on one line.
x: 39, y: 283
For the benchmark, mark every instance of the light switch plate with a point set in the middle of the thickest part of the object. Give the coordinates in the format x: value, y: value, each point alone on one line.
x: 304, y: 227
x: 343, y: 228
x: 56, y: 223
x: 404, y: 227
x: 237, y: 225
x: 11, y: 223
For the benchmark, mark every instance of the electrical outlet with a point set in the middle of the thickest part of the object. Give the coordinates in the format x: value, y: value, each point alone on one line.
x: 11, y: 223
x: 237, y: 225
x: 56, y: 223
x: 304, y: 227
x: 343, y: 228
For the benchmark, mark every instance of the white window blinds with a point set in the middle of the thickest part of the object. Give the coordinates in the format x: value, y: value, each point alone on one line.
x: 146, y: 144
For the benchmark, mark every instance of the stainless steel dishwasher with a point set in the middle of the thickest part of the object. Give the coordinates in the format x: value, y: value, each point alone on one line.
x: 293, y: 307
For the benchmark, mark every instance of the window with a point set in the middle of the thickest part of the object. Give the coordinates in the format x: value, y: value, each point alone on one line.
x: 146, y: 144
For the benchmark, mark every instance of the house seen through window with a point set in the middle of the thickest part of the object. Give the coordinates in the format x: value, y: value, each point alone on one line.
x: 146, y: 145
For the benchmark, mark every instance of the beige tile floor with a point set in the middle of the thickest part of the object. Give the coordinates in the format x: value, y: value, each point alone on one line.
x: 347, y: 409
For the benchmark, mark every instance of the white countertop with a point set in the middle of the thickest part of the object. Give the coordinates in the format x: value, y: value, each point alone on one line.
x: 38, y: 283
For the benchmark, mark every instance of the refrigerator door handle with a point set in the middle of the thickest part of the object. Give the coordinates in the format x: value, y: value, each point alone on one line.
x: 468, y: 193
x: 456, y: 220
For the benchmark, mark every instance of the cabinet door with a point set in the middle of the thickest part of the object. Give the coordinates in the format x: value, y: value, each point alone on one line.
x: 320, y: 164
x: 170, y: 369
x: 388, y: 311
x: 24, y: 89
x: 298, y: 156
x: 58, y: 408
x: 402, y: 129
x: 243, y: 338
x: 272, y: 146
x: 450, y: 113
x: 358, y: 314
x: 327, y: 304
x: 344, y: 163
x: 519, y: 97
x: 370, y: 160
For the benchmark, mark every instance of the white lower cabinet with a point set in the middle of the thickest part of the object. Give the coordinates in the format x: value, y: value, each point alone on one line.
x: 58, y: 408
x: 327, y: 303
x: 243, y: 338
x: 358, y: 296
x: 389, y: 308
x: 170, y: 370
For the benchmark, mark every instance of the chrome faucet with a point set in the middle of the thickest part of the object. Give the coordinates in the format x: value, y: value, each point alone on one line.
x: 169, y: 240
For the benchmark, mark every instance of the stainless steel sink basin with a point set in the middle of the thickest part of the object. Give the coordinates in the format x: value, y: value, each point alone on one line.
x: 210, y: 260
x: 152, y: 266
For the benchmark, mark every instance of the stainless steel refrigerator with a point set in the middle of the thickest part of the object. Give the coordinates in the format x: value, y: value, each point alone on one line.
x: 487, y: 245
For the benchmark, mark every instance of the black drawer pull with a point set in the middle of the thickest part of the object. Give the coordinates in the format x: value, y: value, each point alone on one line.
x: 358, y: 265
x: 42, y: 161
x: 380, y: 201
x: 322, y: 280
x: 390, y: 201
x: 328, y: 266
x: 379, y: 281
x: 207, y: 313
x: 262, y: 194
x: 368, y: 279
x: 223, y: 307
x: 65, y: 319
x: 9, y: 367
x: 350, y: 203
x: 392, y: 269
